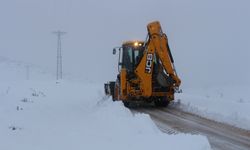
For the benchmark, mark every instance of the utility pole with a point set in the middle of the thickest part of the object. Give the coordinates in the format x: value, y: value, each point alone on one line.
x: 59, y: 54
x: 27, y: 72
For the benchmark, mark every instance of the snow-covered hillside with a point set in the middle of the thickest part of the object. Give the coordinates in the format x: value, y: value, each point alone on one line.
x: 40, y: 114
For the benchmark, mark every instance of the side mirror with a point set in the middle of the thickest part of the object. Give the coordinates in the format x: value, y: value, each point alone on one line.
x: 114, y: 51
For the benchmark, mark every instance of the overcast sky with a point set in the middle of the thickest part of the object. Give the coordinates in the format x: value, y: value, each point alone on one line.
x: 209, y: 39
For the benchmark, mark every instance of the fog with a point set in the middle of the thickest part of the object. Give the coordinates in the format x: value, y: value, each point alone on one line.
x: 209, y: 39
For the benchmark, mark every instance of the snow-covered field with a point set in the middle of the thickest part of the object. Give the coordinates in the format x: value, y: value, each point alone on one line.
x: 41, y: 114
x: 229, y: 104
x: 45, y: 115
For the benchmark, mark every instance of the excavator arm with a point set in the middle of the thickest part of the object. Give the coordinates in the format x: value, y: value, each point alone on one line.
x: 161, y: 48
x: 156, y: 46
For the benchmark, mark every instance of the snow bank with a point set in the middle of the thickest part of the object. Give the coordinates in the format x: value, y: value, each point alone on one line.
x: 229, y: 104
x: 63, y: 116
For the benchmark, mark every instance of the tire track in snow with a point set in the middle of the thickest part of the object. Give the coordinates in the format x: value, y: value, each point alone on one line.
x: 221, y: 136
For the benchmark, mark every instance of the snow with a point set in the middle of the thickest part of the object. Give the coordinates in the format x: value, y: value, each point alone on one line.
x: 229, y: 104
x: 19, y: 71
x: 45, y: 115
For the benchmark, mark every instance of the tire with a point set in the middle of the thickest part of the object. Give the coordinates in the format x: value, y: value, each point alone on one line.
x: 126, y: 104
x: 161, y: 102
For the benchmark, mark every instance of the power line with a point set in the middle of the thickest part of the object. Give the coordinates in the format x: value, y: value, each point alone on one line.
x: 59, y: 54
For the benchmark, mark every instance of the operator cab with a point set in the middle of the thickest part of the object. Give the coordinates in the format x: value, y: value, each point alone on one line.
x: 132, y: 52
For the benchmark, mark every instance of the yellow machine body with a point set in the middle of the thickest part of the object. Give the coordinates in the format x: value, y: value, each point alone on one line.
x: 146, y: 70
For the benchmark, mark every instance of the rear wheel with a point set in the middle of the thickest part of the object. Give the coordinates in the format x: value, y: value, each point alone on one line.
x: 127, y: 104
x: 161, y: 102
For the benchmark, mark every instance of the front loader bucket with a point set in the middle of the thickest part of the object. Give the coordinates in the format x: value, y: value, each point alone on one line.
x: 109, y: 88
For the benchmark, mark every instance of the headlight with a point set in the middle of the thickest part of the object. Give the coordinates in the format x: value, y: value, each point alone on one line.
x: 136, y: 44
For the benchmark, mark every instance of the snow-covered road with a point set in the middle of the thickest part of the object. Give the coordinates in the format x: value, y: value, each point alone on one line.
x: 221, y: 136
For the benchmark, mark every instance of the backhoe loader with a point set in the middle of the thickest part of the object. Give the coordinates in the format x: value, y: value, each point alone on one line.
x: 146, y: 71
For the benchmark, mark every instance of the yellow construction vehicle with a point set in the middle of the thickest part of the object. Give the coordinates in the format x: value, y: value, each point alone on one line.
x: 146, y: 70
